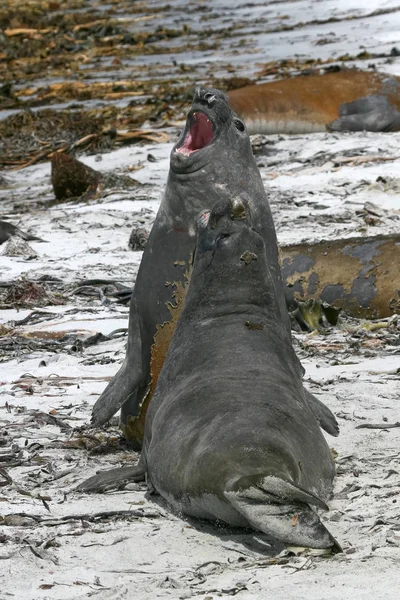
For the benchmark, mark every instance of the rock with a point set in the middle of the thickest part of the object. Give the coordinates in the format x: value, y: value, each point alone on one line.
x: 71, y: 178
x: 138, y: 238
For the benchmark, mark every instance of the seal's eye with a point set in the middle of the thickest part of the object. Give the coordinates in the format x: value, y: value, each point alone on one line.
x: 239, y: 125
x: 222, y: 237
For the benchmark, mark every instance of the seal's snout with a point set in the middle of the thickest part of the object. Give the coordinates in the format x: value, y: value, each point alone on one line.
x: 199, y: 135
x: 213, y: 99
x: 239, y: 208
x: 228, y: 211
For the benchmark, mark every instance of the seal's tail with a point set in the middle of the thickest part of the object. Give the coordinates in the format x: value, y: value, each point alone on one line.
x: 281, y: 509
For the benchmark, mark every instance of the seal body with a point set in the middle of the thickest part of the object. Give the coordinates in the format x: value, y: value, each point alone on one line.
x: 211, y: 160
x: 359, y: 275
x: 345, y: 100
x: 230, y: 401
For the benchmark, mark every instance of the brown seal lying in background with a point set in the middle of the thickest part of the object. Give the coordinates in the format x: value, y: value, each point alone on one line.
x: 347, y: 100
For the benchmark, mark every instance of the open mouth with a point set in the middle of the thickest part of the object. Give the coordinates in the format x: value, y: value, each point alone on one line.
x: 200, y: 134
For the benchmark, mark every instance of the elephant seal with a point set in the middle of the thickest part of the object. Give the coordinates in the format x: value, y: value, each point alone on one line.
x: 211, y: 160
x: 359, y: 275
x: 230, y: 401
x: 8, y: 230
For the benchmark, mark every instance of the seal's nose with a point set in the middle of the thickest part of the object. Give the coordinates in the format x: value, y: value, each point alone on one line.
x: 205, y: 95
x: 238, y: 208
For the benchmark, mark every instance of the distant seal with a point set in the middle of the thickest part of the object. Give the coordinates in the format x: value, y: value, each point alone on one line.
x: 212, y: 160
x: 8, y: 230
x: 229, y: 434
x: 363, y: 100
x: 370, y: 113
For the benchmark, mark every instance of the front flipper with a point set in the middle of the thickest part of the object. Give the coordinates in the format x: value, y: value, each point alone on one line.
x: 124, y: 386
x: 112, y: 479
x: 281, y: 510
x: 324, y: 416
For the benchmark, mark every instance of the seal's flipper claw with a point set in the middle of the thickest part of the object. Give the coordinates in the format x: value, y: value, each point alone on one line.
x: 282, y: 516
x: 111, y: 480
x: 324, y: 416
x: 124, y: 385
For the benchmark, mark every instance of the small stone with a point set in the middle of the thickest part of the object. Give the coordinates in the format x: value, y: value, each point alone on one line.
x: 71, y: 178
x: 335, y: 516
x: 138, y: 239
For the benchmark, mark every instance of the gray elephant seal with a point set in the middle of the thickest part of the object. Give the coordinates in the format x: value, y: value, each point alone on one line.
x: 230, y: 402
x: 211, y: 160
x: 370, y: 113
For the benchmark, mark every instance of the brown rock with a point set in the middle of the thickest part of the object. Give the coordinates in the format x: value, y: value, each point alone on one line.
x: 138, y: 238
x: 71, y: 178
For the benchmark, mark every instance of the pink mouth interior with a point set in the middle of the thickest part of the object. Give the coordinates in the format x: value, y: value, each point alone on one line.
x: 200, y: 134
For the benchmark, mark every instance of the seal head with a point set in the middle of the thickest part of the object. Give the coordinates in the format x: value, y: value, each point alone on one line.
x: 209, y: 119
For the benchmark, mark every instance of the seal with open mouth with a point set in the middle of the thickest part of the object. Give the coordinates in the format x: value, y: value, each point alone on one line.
x: 212, y: 160
x: 230, y: 402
